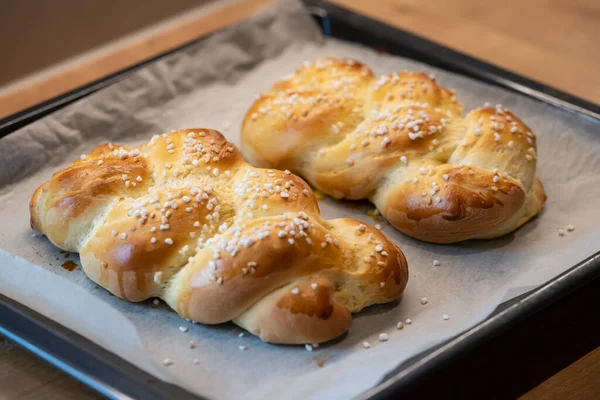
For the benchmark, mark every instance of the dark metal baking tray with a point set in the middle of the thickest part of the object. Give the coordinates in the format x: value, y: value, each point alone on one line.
x: 116, y: 378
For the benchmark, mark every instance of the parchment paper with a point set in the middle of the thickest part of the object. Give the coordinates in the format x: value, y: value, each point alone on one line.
x: 211, y: 84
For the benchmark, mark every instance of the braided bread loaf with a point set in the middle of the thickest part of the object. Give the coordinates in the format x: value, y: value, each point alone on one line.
x: 399, y: 141
x: 184, y: 218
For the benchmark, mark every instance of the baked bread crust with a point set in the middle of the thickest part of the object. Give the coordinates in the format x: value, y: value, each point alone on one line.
x: 186, y: 219
x: 400, y: 142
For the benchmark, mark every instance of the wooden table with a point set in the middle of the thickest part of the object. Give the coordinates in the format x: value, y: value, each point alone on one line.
x: 554, y: 355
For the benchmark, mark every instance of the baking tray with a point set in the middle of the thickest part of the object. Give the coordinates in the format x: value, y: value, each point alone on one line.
x: 115, y: 378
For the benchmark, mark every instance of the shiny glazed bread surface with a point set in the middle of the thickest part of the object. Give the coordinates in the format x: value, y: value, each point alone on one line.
x: 399, y: 141
x: 185, y: 218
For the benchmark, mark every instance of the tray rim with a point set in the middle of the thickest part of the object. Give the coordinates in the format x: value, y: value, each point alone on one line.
x: 70, y: 352
x: 24, y: 323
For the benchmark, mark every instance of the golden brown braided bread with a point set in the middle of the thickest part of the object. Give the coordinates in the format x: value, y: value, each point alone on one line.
x: 186, y: 219
x: 400, y: 142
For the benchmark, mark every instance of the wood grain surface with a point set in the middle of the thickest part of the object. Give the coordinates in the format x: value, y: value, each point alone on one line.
x: 83, y: 23
x: 552, y: 41
x: 578, y: 381
x: 124, y: 53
